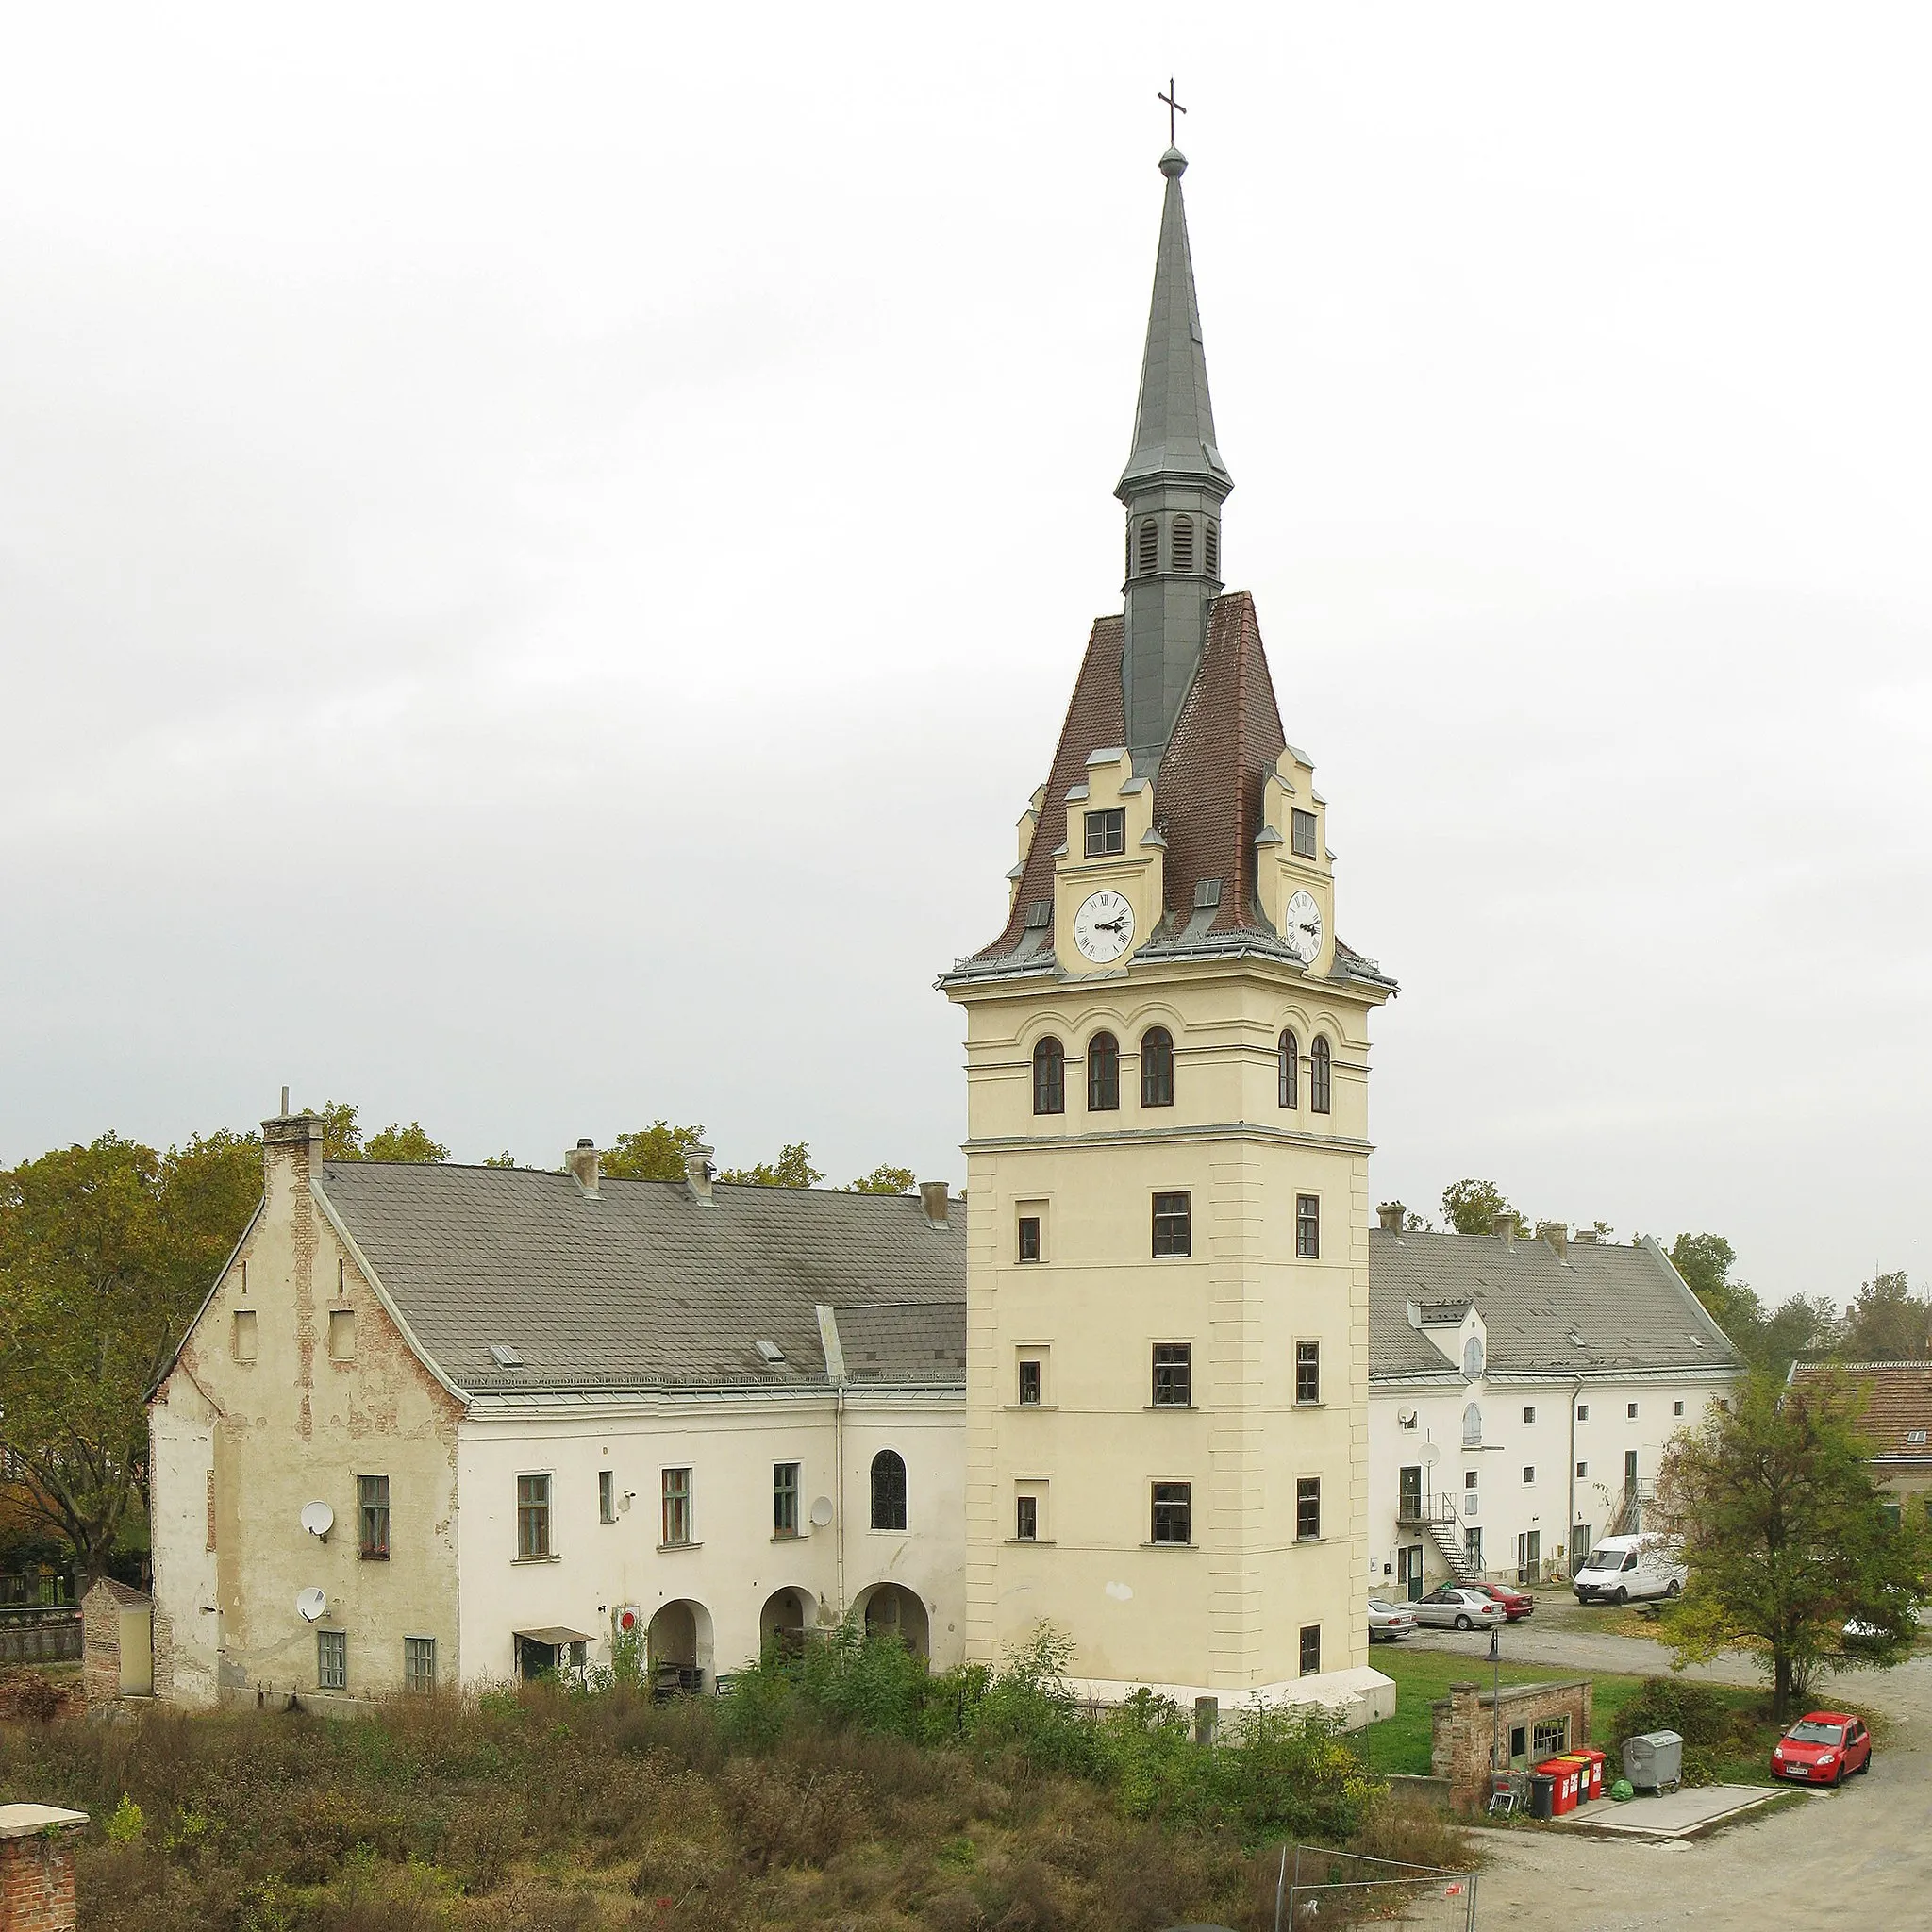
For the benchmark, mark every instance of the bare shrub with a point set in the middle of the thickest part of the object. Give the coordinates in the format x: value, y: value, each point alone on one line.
x: 788, y: 1818
x: 1412, y: 1831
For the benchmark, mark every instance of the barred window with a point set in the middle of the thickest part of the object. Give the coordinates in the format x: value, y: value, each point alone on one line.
x: 1308, y: 1507
x: 1320, y: 1077
x: 1307, y: 1371
x: 1288, y: 1070
x: 888, y: 1489
x: 1049, y: 1077
x: 419, y: 1665
x: 1172, y: 1224
x: 372, y: 1516
x: 1174, y: 1515
x: 1157, y: 1067
x: 332, y: 1659
x: 1150, y: 547
x: 1307, y: 1227
x: 1102, y: 1073
x: 1181, y: 542
x: 533, y: 1516
x: 1173, y: 1375
x: 1311, y: 1650
x: 677, y: 1507
x: 1106, y: 832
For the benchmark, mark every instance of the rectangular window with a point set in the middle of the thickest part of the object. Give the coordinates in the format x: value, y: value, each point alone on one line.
x: 1029, y: 1385
x: 1582, y: 1470
x: 533, y: 1517
x: 1172, y: 1513
x: 1893, y: 1513
x: 419, y: 1665
x: 1173, y: 1375
x: 1307, y: 1371
x: 1550, y: 1738
x: 1529, y: 1415
x: 242, y: 1341
x: 1529, y: 1472
x: 332, y: 1659
x: 1630, y: 1411
x: 1026, y: 1519
x: 341, y: 1335
x: 784, y: 1499
x: 1307, y: 1509
x: 1303, y: 831
x: 1677, y: 1409
x: 1172, y: 1224
x: 1307, y: 1227
x: 1583, y: 1412
x: 1107, y: 833
x: 1029, y: 1237
x: 1311, y: 1650
x: 372, y: 1513
x: 606, y: 1495
x: 677, y: 1507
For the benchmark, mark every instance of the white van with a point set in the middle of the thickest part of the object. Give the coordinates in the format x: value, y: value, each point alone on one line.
x: 1624, y: 1567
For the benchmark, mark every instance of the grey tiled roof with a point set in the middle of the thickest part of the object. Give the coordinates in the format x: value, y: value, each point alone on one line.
x: 642, y: 1288
x: 1627, y: 1303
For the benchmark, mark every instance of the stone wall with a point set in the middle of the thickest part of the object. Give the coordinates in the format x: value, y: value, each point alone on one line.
x: 1465, y: 1728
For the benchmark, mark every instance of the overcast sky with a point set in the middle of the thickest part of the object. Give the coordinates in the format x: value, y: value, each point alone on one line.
x: 544, y: 550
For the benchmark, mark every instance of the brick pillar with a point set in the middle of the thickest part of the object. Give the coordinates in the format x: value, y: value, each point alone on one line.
x: 37, y: 1868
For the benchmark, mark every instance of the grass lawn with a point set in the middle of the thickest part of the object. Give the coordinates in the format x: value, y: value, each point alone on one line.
x: 1400, y: 1744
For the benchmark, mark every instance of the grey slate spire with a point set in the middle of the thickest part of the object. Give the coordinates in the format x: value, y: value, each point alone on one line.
x: 1174, y: 486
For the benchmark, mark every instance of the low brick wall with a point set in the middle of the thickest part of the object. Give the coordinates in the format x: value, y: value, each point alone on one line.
x: 37, y: 1868
x: 1465, y: 1728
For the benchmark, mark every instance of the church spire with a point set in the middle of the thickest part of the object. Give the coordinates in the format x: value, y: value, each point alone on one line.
x: 1173, y: 486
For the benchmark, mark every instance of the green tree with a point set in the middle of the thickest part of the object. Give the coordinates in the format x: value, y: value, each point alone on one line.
x: 1887, y: 1323
x: 1705, y: 1261
x: 504, y: 1160
x: 342, y: 1138
x: 652, y: 1153
x: 1786, y: 1537
x: 1800, y: 1326
x: 106, y: 1253
x: 885, y: 1180
x: 1472, y: 1206
x: 793, y: 1169
x: 404, y: 1143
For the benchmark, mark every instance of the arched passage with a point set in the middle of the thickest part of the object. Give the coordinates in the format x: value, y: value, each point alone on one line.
x: 890, y: 1610
x: 787, y: 1616
x: 679, y: 1646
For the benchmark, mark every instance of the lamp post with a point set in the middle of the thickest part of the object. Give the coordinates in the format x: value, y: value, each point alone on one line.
x: 1496, y: 1707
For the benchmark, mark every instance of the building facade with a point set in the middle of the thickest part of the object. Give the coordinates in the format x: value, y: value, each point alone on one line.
x: 1897, y: 1398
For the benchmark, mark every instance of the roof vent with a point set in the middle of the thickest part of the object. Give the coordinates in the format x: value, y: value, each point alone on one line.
x: 1207, y: 894
x: 582, y: 1163
x: 1577, y: 1340
x: 1391, y: 1214
x: 504, y: 1355
x: 933, y: 1198
x: 699, y: 1174
x: 772, y: 1354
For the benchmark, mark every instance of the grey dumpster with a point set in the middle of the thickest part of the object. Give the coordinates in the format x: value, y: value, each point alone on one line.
x: 1654, y: 1760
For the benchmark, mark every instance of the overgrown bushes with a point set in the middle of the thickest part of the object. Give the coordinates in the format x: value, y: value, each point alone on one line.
x: 1716, y: 1731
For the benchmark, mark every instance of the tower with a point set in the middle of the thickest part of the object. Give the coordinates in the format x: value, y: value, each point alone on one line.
x: 1167, y: 1084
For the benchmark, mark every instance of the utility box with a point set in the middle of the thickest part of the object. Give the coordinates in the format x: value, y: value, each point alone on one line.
x: 1654, y: 1760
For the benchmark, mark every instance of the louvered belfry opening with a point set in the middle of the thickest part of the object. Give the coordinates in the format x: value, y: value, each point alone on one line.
x: 1150, y: 547
x: 1210, y: 549
x: 1182, y: 544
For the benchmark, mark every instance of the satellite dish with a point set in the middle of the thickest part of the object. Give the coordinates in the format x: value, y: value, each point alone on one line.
x: 1429, y: 1455
x: 310, y: 1603
x: 821, y: 1512
x: 1406, y: 1417
x: 318, y: 1519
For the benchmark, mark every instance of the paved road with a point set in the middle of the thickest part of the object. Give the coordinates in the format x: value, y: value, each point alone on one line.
x: 1541, y: 1640
x: 1860, y: 1857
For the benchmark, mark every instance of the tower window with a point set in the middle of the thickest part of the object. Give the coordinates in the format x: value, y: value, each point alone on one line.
x: 1288, y: 1070
x: 1150, y: 547
x: 1049, y: 1077
x: 1173, y: 1375
x: 1311, y: 1650
x: 1182, y: 544
x: 1302, y: 830
x: 1029, y: 1237
x: 1174, y: 1514
x: 1307, y: 1227
x: 1307, y: 1371
x: 1106, y: 832
x: 1157, y: 1067
x: 1307, y: 1509
x: 1210, y: 545
x: 1321, y: 1075
x: 1102, y: 1073
x: 1172, y: 1224
x: 888, y: 1489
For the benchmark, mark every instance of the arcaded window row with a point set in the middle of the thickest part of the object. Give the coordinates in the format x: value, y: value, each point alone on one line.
x: 1157, y: 1073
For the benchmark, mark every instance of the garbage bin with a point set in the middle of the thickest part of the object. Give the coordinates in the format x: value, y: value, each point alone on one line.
x: 1562, y: 1774
x: 1654, y: 1760
x: 1542, y: 1794
x: 1595, y: 1760
x: 1581, y: 1765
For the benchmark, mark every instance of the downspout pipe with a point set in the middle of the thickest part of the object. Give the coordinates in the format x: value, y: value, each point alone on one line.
x: 1570, y: 1524
x: 835, y: 1373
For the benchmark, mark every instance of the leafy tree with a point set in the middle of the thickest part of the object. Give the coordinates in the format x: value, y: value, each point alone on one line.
x: 1887, y: 1323
x: 1472, y: 1206
x: 504, y: 1160
x: 1705, y: 1261
x: 106, y: 1253
x: 404, y: 1143
x: 652, y: 1153
x: 1786, y: 1538
x: 793, y: 1169
x: 342, y: 1138
x: 885, y: 1180
x: 1799, y: 1327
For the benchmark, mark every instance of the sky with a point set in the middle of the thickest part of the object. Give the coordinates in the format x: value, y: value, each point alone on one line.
x: 543, y: 552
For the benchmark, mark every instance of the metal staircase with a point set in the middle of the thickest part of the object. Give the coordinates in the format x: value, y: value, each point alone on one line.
x: 1437, y: 1515
x: 1629, y: 1517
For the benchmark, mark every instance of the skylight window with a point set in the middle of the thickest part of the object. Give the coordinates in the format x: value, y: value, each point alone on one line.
x: 771, y: 1351
x: 504, y: 1355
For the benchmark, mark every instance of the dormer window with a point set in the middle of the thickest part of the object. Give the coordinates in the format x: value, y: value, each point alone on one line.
x: 1106, y: 832
x: 1473, y: 1358
x: 1150, y: 547
x: 1210, y: 545
x: 1181, y: 545
x: 1302, y: 830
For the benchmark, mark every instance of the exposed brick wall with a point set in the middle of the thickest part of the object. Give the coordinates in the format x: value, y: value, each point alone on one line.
x: 100, y: 1641
x: 1465, y: 1728
x: 37, y: 1884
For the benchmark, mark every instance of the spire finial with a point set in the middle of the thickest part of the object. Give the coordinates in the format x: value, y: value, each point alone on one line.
x: 1173, y: 108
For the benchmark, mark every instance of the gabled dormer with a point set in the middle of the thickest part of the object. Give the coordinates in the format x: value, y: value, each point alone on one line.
x: 1110, y: 846
x: 1292, y: 852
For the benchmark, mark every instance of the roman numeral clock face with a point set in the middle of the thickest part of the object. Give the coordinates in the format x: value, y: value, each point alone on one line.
x: 1104, y: 927
x: 1302, y: 927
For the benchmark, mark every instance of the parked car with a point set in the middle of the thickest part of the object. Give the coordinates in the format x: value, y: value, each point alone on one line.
x: 1624, y: 1568
x: 1516, y: 1603
x: 1823, y: 1749
x: 1459, y: 1607
x: 1389, y: 1621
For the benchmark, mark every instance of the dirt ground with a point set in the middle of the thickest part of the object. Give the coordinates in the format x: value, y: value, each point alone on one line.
x: 1858, y: 1857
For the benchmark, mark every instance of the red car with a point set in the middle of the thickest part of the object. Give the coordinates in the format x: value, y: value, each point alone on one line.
x: 1516, y: 1606
x: 1823, y: 1748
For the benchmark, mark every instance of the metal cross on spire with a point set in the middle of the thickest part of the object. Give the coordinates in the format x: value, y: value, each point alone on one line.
x: 1173, y: 108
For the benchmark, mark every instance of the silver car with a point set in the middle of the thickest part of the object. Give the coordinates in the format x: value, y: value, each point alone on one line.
x: 1452, y: 1607
x: 1389, y: 1621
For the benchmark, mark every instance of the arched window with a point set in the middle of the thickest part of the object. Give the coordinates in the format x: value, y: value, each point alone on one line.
x: 1473, y: 1358
x: 1157, y: 1067
x: 1210, y: 545
x: 1288, y: 1071
x: 1102, y: 1073
x: 1150, y: 547
x: 1049, y: 1077
x: 1471, y: 1428
x: 1181, y: 546
x: 888, y: 1489
x: 1321, y: 1075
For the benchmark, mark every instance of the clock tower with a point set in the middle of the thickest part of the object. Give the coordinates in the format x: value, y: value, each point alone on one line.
x: 1167, y: 1102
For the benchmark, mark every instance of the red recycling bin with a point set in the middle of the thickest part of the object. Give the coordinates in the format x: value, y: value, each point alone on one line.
x: 1595, y: 1760
x: 1563, y: 1775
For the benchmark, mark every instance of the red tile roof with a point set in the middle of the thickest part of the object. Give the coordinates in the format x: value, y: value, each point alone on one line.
x: 1898, y: 1398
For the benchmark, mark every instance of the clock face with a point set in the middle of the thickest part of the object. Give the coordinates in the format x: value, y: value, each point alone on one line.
x: 1302, y: 927
x: 1104, y: 927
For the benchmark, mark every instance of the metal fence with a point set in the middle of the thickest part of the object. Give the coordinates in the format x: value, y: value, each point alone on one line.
x: 39, y: 1636
x: 1323, y: 1889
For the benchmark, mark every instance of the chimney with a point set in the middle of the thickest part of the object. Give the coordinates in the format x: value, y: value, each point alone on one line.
x: 292, y: 1133
x: 935, y: 1197
x: 698, y: 1174
x: 1557, y: 1234
x: 1391, y: 1214
x: 583, y: 1164
x: 1504, y: 1225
